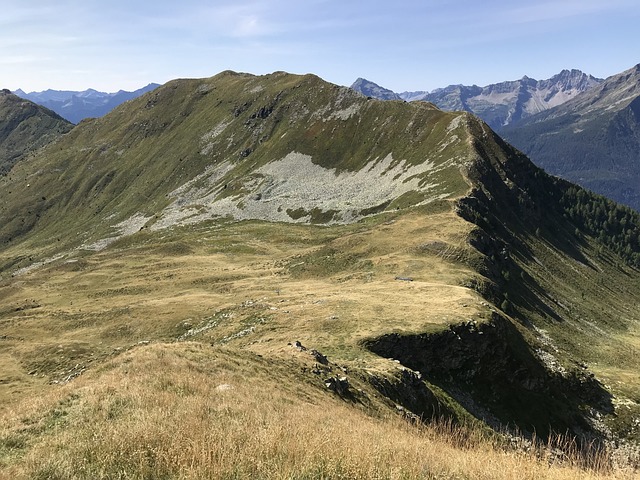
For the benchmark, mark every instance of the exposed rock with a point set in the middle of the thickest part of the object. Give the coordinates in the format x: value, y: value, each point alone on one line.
x: 410, y: 393
x: 489, y: 367
x: 339, y: 385
x: 319, y: 357
x: 298, y: 345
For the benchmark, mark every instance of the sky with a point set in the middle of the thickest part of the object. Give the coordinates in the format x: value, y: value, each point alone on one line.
x: 401, y: 45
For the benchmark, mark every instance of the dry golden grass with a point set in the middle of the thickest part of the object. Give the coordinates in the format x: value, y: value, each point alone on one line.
x: 184, y: 411
x: 69, y: 316
x: 220, y: 306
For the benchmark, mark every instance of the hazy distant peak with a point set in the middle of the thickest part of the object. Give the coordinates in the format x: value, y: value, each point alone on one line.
x: 370, y: 89
x: 498, y: 104
x: 78, y: 105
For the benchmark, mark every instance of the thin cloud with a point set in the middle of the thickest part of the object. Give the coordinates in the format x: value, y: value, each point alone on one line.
x: 19, y: 60
x: 18, y: 14
x: 231, y: 21
x: 550, y: 11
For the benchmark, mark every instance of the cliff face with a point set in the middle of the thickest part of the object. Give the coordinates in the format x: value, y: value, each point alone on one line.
x: 490, y: 369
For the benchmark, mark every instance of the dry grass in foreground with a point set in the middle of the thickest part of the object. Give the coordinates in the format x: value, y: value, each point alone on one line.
x: 182, y: 411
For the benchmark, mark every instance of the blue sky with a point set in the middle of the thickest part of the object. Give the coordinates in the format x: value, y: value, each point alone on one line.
x: 402, y: 45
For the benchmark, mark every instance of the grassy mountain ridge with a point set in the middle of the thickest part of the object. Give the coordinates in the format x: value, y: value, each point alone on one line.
x: 243, y: 262
x: 132, y: 161
x: 25, y: 127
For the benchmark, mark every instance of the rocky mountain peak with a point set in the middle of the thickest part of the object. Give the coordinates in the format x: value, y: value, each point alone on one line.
x: 593, y: 138
x: 571, y: 80
x: 371, y: 89
x: 498, y: 104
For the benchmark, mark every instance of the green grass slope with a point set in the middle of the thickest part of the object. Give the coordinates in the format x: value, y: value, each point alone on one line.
x: 24, y: 127
x: 191, y: 144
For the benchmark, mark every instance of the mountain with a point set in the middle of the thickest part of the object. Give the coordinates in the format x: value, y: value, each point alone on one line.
x: 193, y: 159
x: 371, y: 89
x: 593, y: 139
x: 196, y: 281
x: 498, y: 104
x: 76, y: 106
x: 25, y: 127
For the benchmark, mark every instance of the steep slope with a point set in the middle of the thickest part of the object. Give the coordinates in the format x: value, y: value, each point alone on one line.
x: 76, y: 106
x: 24, y: 127
x: 341, y: 254
x: 593, y: 139
x: 500, y: 104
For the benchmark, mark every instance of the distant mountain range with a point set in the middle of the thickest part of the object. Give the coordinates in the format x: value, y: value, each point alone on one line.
x: 573, y: 125
x: 498, y: 104
x: 592, y: 139
x: 76, y: 106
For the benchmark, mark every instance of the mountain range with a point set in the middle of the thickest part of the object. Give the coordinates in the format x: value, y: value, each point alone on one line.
x: 592, y: 139
x: 76, y: 106
x: 250, y: 276
x: 499, y: 104
x: 573, y: 125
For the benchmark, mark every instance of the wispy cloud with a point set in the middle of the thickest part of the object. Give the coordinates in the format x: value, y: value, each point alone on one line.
x: 237, y: 20
x: 120, y: 41
x: 249, y: 20
x: 553, y: 10
x: 19, y: 60
x: 264, y: 19
x: 14, y: 13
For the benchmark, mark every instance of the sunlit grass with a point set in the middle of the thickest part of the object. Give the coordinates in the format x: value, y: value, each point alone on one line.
x: 191, y: 411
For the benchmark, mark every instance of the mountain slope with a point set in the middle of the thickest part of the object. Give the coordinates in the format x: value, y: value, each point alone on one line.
x: 341, y: 254
x: 76, y: 106
x: 498, y: 104
x: 593, y: 139
x: 24, y: 127
x: 241, y: 146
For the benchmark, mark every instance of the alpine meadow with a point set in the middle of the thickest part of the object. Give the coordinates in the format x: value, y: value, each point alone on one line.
x: 277, y: 277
